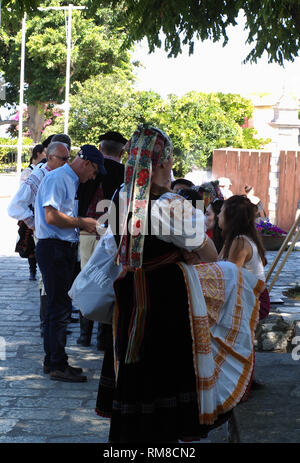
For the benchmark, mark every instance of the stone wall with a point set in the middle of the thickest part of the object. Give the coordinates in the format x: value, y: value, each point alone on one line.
x: 276, y: 333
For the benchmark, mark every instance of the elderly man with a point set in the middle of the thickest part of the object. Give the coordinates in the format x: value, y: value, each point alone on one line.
x: 111, y: 144
x: 21, y: 205
x: 57, y: 230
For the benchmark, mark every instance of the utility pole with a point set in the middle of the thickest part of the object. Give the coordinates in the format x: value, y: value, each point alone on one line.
x: 21, y: 101
x: 67, y: 103
x: 69, y: 8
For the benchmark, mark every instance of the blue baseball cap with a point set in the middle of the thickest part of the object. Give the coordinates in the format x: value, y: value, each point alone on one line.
x: 91, y: 153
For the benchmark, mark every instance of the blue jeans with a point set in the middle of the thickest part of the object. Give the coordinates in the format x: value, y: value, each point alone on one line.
x: 56, y: 260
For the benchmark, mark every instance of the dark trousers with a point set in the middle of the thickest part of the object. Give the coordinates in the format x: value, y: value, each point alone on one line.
x: 56, y: 261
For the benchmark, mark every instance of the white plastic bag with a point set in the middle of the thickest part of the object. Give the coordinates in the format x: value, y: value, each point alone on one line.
x: 92, y: 290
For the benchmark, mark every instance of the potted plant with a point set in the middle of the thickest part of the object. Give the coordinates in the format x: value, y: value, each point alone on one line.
x: 272, y: 236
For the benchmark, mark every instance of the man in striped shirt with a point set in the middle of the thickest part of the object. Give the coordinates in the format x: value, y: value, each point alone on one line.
x: 21, y: 205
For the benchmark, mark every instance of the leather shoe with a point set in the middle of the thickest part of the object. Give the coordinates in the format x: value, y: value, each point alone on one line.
x: 75, y: 370
x: 83, y: 342
x: 257, y: 385
x: 32, y: 276
x: 67, y: 375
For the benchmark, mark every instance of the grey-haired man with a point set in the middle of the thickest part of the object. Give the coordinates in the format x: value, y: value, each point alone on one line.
x: 57, y: 228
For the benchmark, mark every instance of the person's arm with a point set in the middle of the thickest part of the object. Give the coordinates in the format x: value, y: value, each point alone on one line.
x: 61, y: 220
x: 205, y: 253
x: 240, y: 252
x: 25, y: 174
x: 19, y: 208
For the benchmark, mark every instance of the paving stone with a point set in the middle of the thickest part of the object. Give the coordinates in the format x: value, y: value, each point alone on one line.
x: 34, y: 384
x: 64, y: 428
x: 33, y: 414
x: 5, y: 401
x: 6, y: 425
x: 49, y: 402
x: 7, y: 392
x: 78, y: 439
x: 35, y: 409
x: 295, y: 392
x: 75, y: 394
x: 21, y: 439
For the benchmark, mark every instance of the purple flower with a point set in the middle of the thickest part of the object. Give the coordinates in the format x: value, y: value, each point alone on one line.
x: 266, y: 228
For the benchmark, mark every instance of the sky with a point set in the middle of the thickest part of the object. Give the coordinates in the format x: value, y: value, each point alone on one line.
x: 214, y: 68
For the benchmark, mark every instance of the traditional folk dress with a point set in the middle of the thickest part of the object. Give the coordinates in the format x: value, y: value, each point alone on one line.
x: 183, y: 335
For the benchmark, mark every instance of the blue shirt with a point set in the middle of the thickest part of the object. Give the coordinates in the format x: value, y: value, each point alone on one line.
x: 58, y: 189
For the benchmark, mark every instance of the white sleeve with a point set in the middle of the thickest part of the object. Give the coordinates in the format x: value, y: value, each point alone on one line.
x: 18, y: 207
x: 175, y: 220
x: 25, y: 174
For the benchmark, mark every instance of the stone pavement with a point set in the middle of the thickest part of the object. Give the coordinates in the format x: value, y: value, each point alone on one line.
x: 34, y: 409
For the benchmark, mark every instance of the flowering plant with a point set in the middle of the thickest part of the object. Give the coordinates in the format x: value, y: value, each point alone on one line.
x: 268, y: 229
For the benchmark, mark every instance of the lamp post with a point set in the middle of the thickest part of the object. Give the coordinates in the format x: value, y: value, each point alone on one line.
x: 67, y: 103
x: 70, y: 7
x: 21, y: 101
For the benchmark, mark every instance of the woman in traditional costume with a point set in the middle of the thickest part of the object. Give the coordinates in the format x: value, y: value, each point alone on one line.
x: 183, y: 355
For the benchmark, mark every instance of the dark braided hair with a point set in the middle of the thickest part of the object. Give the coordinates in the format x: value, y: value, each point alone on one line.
x: 239, y: 215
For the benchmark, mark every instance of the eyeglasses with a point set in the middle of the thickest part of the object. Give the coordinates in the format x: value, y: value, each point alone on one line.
x: 65, y: 158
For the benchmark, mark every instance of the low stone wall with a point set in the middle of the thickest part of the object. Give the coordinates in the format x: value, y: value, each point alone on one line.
x: 276, y: 333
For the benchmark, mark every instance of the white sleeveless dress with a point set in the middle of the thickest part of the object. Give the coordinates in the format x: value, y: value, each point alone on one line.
x: 254, y: 265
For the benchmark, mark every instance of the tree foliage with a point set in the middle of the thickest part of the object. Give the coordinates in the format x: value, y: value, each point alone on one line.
x: 197, y: 123
x: 272, y: 25
x: 96, y: 49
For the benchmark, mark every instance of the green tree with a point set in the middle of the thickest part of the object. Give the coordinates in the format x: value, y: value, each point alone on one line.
x: 100, y: 104
x: 197, y: 122
x: 96, y: 49
x: 272, y: 25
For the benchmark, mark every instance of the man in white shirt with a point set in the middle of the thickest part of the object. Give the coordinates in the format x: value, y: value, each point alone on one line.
x: 21, y: 205
x: 57, y: 229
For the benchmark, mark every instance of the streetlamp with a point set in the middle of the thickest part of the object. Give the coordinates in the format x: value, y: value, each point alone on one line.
x: 21, y: 102
x: 68, y: 8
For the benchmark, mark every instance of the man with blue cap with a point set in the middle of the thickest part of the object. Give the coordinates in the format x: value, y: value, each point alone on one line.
x: 90, y: 194
x: 57, y: 228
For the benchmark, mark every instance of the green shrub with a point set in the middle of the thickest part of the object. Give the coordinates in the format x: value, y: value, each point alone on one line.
x: 8, y: 156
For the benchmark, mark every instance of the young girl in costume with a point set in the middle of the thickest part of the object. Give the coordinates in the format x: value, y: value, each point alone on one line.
x: 242, y: 244
x: 243, y: 247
